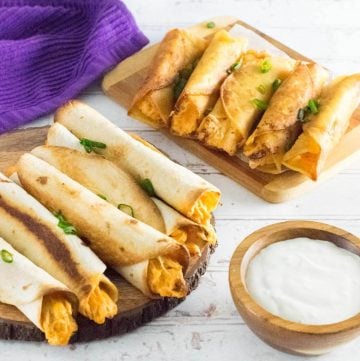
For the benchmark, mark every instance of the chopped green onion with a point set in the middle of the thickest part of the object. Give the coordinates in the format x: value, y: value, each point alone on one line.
x: 210, y: 25
x: 275, y: 85
x: 259, y: 104
x: 147, y: 186
x: 90, y: 145
x: 301, y: 115
x: 265, y: 66
x: 261, y: 89
x: 182, y: 78
x: 179, y: 86
x: 126, y: 209
x: 313, y: 106
x: 103, y: 197
x: 6, y: 256
x: 233, y: 67
x: 67, y: 227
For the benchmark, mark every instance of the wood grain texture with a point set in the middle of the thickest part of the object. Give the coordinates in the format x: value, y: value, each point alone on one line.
x: 122, y: 83
x: 135, y: 309
x: 285, y: 335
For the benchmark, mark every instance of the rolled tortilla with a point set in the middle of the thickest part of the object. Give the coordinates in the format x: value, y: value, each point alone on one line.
x: 102, y: 177
x: 325, y: 129
x: 279, y: 126
x: 229, y: 124
x: 182, y: 189
x: 118, y: 239
x: 169, y: 70
x: 46, y: 302
x: 202, y: 89
x: 33, y: 230
x: 105, y: 179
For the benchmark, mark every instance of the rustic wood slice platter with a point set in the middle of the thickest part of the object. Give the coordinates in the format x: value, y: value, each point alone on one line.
x: 122, y: 83
x: 135, y: 309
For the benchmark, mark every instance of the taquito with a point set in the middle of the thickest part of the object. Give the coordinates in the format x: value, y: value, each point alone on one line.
x: 167, y: 74
x: 103, y: 178
x: 202, y: 89
x: 117, y: 238
x: 280, y: 125
x: 324, y: 130
x: 49, y: 243
x: 46, y: 302
x: 177, y: 186
x: 243, y: 97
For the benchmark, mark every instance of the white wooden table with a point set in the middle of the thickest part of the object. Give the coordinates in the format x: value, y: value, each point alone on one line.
x: 207, y: 326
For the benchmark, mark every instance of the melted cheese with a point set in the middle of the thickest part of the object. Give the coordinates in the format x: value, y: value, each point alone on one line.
x: 203, y: 207
x: 165, y: 278
x: 98, y: 305
x: 56, y: 319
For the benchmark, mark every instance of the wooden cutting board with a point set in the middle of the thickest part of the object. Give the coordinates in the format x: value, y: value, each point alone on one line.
x: 135, y: 309
x: 122, y: 83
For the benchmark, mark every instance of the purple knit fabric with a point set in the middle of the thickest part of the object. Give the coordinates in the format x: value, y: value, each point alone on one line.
x: 50, y: 50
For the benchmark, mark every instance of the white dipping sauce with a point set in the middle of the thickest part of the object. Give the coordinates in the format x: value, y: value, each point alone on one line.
x: 307, y: 281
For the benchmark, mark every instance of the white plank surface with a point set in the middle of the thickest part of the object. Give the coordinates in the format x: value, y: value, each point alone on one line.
x: 207, y: 326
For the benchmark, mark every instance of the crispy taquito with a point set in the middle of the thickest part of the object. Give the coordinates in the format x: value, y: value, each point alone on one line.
x: 323, y: 130
x: 49, y: 242
x: 243, y: 97
x: 280, y: 125
x: 172, y: 65
x: 202, y: 89
x: 177, y: 186
x: 46, y: 302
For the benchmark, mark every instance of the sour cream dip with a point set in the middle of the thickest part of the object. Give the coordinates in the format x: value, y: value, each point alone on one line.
x: 305, y: 280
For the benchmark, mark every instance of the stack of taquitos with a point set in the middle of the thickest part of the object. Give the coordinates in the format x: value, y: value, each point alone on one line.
x: 180, y: 188
x: 202, y: 89
x: 118, y: 239
x: 46, y: 302
x: 280, y: 125
x: 102, y: 177
x: 33, y: 231
x: 229, y: 124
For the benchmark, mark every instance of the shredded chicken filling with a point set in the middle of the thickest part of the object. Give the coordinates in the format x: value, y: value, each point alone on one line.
x: 165, y: 278
x: 98, y: 306
x: 57, y: 321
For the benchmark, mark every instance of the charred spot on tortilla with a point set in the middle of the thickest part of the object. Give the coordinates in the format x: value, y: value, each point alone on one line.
x: 42, y: 180
x: 133, y: 221
x: 161, y: 240
x: 25, y: 287
x: 49, y: 239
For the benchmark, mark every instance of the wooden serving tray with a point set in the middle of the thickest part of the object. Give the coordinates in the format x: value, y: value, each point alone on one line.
x: 122, y: 83
x: 135, y: 309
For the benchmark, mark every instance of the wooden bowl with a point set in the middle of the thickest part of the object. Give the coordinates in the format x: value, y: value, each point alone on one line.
x: 281, y: 334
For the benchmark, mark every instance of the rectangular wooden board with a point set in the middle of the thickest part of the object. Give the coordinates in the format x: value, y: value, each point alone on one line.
x: 122, y: 83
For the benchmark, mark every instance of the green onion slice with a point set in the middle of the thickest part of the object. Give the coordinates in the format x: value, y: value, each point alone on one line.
x: 265, y: 66
x: 275, y: 85
x: 67, y: 227
x: 147, y: 186
x: 261, y: 89
x: 102, y: 197
x: 90, y: 145
x: 233, y: 67
x: 301, y: 115
x: 313, y: 106
x: 126, y: 209
x: 259, y: 104
x: 210, y: 25
x: 6, y: 256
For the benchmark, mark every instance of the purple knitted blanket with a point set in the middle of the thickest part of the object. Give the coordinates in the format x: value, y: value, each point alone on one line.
x: 50, y: 50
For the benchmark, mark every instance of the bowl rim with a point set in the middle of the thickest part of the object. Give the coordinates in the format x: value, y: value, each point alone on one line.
x: 242, y: 297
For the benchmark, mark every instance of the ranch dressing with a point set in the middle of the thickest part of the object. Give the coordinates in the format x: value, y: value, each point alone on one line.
x: 307, y: 281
